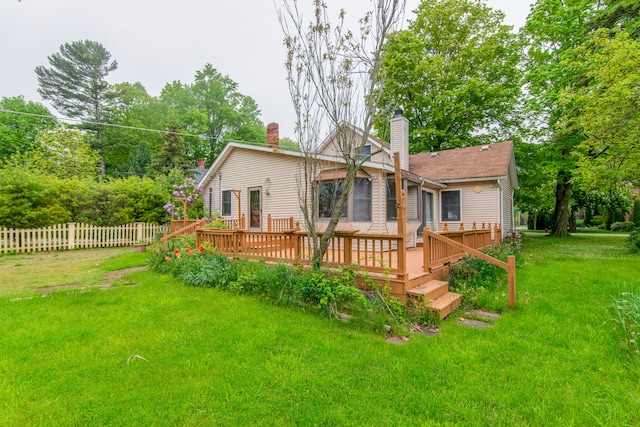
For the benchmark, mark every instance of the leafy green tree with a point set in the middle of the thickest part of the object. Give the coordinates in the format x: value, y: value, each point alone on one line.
x: 535, y: 179
x: 636, y: 212
x: 174, y: 154
x: 608, y: 104
x: 622, y: 14
x: 18, y: 132
x: 454, y: 73
x: 130, y: 149
x: 213, y: 107
x: 553, y: 30
x: 63, y: 152
x: 30, y: 199
x: 76, y: 86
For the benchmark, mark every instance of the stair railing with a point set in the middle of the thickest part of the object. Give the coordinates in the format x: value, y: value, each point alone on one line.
x: 440, y: 248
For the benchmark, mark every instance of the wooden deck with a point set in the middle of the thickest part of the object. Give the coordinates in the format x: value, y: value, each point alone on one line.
x: 414, y: 274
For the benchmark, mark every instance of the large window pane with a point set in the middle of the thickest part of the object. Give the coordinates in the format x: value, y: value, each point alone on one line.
x: 328, y: 194
x: 362, y: 200
x: 392, y: 213
x: 226, y: 202
x: 450, y: 205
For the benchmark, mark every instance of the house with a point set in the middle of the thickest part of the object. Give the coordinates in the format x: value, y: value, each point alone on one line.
x: 453, y: 188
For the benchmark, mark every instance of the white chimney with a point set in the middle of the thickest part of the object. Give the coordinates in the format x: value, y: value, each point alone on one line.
x: 400, y: 138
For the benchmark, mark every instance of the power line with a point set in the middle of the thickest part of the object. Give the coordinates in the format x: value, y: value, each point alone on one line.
x: 104, y: 124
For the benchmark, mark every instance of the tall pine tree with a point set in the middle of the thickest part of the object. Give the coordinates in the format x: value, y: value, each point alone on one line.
x: 174, y: 154
x: 76, y: 86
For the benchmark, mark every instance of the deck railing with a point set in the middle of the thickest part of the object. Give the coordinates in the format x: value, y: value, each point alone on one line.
x: 190, y: 228
x: 279, y: 224
x: 177, y: 224
x: 438, y: 253
x: 235, y: 223
x: 441, y: 249
x: 373, y: 252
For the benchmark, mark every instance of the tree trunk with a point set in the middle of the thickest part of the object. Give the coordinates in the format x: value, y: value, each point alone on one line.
x: 573, y: 227
x: 561, y: 213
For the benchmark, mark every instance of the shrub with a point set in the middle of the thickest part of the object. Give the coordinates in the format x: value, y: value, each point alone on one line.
x: 627, y: 318
x: 477, y: 279
x: 329, y: 292
x: 636, y: 212
x: 633, y: 241
x: 597, y: 220
x: 622, y: 226
x: 217, y: 223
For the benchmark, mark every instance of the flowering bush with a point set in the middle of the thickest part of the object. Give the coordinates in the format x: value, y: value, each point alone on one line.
x: 189, y: 191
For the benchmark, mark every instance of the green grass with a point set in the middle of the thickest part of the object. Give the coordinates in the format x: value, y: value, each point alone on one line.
x: 22, y: 274
x: 215, y: 358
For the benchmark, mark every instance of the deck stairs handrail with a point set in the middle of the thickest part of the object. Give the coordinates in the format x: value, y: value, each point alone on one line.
x: 509, y: 266
x: 189, y: 229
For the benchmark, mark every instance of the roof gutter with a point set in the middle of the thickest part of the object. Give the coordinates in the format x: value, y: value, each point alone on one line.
x: 488, y: 178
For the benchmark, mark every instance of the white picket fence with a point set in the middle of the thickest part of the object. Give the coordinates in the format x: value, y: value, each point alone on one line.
x: 76, y: 235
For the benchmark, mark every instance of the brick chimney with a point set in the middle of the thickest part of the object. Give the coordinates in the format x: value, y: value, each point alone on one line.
x: 201, y: 163
x: 273, y: 135
x: 400, y: 138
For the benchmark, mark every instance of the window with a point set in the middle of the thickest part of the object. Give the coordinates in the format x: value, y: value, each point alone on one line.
x: 365, y: 153
x: 450, y: 205
x: 226, y: 203
x: 361, y: 199
x: 392, y: 213
x: 328, y: 194
x: 210, y: 201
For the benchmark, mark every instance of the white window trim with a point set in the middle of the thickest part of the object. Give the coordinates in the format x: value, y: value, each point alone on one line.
x: 222, y: 214
x: 442, y: 210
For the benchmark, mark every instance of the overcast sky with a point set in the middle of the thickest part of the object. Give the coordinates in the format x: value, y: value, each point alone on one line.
x: 158, y: 41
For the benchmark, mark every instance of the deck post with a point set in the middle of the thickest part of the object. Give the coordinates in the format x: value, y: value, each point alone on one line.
x: 269, y: 223
x: 511, y: 261
x: 348, y: 244
x: 401, y: 210
x: 426, y: 250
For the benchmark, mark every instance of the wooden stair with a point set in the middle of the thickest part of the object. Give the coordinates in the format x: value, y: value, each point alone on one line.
x: 437, y: 297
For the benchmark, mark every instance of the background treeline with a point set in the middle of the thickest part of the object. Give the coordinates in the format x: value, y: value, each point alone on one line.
x: 32, y: 199
x: 564, y: 88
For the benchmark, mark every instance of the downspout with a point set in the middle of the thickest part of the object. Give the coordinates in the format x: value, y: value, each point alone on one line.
x: 501, y: 202
x: 219, y: 193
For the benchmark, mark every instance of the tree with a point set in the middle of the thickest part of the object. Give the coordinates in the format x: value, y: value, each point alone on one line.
x: 535, y: 179
x: 30, y: 199
x: 20, y: 123
x: 130, y: 149
x: 553, y: 30
x: 335, y: 81
x: 76, y: 86
x: 609, y: 115
x: 63, y: 152
x: 454, y: 73
x: 213, y: 107
x: 174, y: 154
x: 620, y: 14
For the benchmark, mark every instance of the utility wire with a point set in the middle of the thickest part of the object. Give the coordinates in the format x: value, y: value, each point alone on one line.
x: 104, y: 124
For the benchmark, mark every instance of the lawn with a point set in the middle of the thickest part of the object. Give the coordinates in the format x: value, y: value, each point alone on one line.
x: 150, y: 351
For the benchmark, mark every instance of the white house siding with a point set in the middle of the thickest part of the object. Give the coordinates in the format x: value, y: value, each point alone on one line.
x: 507, y: 206
x: 245, y: 169
x: 480, y: 202
x: 413, y: 203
